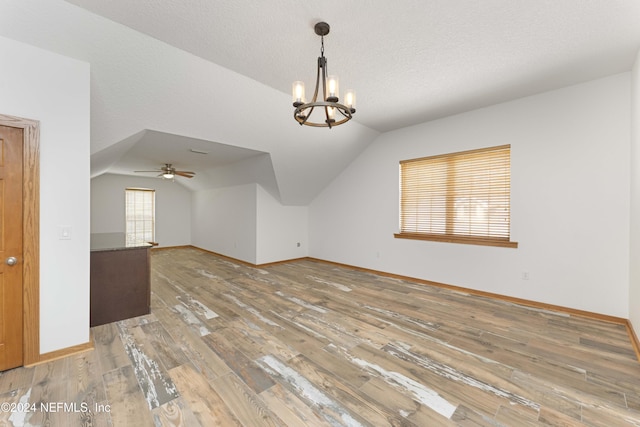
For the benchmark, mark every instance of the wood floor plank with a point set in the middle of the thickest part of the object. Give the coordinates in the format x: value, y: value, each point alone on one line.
x: 254, y: 341
x: 128, y: 405
x: 562, y: 399
x: 332, y: 383
x: 87, y: 391
x: 424, y: 387
x: 484, y: 395
x: 109, y: 348
x: 551, y: 417
x: 331, y: 410
x: 166, y: 348
x: 14, y: 379
x: 290, y: 408
x: 240, y: 364
x: 154, y: 381
x: 51, y: 387
x: 467, y: 417
x: 13, y: 415
x: 175, y: 413
x: 401, y: 405
x: 205, y: 402
x: 202, y: 357
x: 247, y: 406
x: 509, y: 416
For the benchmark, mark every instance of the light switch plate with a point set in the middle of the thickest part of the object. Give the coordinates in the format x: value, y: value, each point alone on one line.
x: 64, y: 232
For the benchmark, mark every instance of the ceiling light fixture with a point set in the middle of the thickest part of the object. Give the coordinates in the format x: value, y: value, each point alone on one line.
x: 335, y: 113
x: 169, y: 172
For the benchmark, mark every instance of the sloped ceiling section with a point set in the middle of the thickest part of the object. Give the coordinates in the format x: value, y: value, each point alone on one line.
x: 216, y: 165
x: 143, y: 89
x: 409, y: 60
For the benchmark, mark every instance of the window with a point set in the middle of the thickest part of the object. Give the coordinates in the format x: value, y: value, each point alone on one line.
x: 140, y: 215
x: 460, y: 197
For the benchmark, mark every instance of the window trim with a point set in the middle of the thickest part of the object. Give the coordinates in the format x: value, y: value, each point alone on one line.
x: 454, y: 238
x: 468, y: 240
x: 153, y: 200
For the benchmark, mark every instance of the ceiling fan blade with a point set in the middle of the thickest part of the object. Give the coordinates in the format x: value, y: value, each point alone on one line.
x: 149, y: 171
x: 185, y: 174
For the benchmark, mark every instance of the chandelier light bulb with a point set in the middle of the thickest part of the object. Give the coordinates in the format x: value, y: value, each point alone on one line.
x: 332, y: 89
x: 350, y: 100
x: 298, y: 93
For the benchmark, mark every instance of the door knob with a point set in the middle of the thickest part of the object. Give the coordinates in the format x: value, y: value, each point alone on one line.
x: 11, y: 260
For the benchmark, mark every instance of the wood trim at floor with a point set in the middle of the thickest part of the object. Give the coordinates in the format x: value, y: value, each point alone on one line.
x: 160, y: 248
x: 634, y: 339
x: 239, y: 261
x: 64, y: 352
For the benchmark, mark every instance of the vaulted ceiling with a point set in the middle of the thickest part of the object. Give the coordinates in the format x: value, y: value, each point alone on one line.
x: 167, y: 75
x: 410, y: 60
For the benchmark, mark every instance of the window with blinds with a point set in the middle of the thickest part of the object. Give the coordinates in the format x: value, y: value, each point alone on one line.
x: 460, y: 197
x: 140, y: 212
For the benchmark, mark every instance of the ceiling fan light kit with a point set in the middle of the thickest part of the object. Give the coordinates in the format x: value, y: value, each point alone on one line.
x: 335, y: 113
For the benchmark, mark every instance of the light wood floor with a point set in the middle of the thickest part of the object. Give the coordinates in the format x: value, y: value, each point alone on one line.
x: 308, y: 343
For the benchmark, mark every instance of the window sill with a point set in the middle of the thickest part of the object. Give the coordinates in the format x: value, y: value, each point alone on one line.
x: 467, y: 240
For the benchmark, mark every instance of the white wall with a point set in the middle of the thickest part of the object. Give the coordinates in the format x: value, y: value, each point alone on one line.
x: 223, y: 220
x: 245, y: 222
x: 570, y: 201
x: 280, y: 229
x: 173, y: 207
x: 53, y: 89
x: 634, y: 258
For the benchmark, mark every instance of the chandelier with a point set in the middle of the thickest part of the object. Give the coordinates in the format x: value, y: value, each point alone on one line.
x: 331, y: 111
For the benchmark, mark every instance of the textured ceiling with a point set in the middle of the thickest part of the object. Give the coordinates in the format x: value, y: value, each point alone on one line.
x: 409, y: 61
x: 166, y: 74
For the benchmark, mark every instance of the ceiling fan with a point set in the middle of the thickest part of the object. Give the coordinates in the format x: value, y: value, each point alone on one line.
x: 169, y: 172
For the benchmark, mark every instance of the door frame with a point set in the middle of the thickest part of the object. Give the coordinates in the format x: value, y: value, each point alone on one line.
x: 31, y: 235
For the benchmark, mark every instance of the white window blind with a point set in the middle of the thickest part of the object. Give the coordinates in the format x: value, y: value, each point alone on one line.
x: 140, y: 215
x: 460, y: 197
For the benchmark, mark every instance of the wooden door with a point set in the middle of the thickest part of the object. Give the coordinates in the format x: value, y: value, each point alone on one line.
x: 11, y: 255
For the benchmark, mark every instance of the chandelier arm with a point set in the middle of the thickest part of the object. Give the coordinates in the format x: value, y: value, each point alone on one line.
x: 343, y: 113
x: 315, y: 93
x: 328, y: 119
x: 324, y: 87
x: 306, y: 117
x: 324, y: 77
